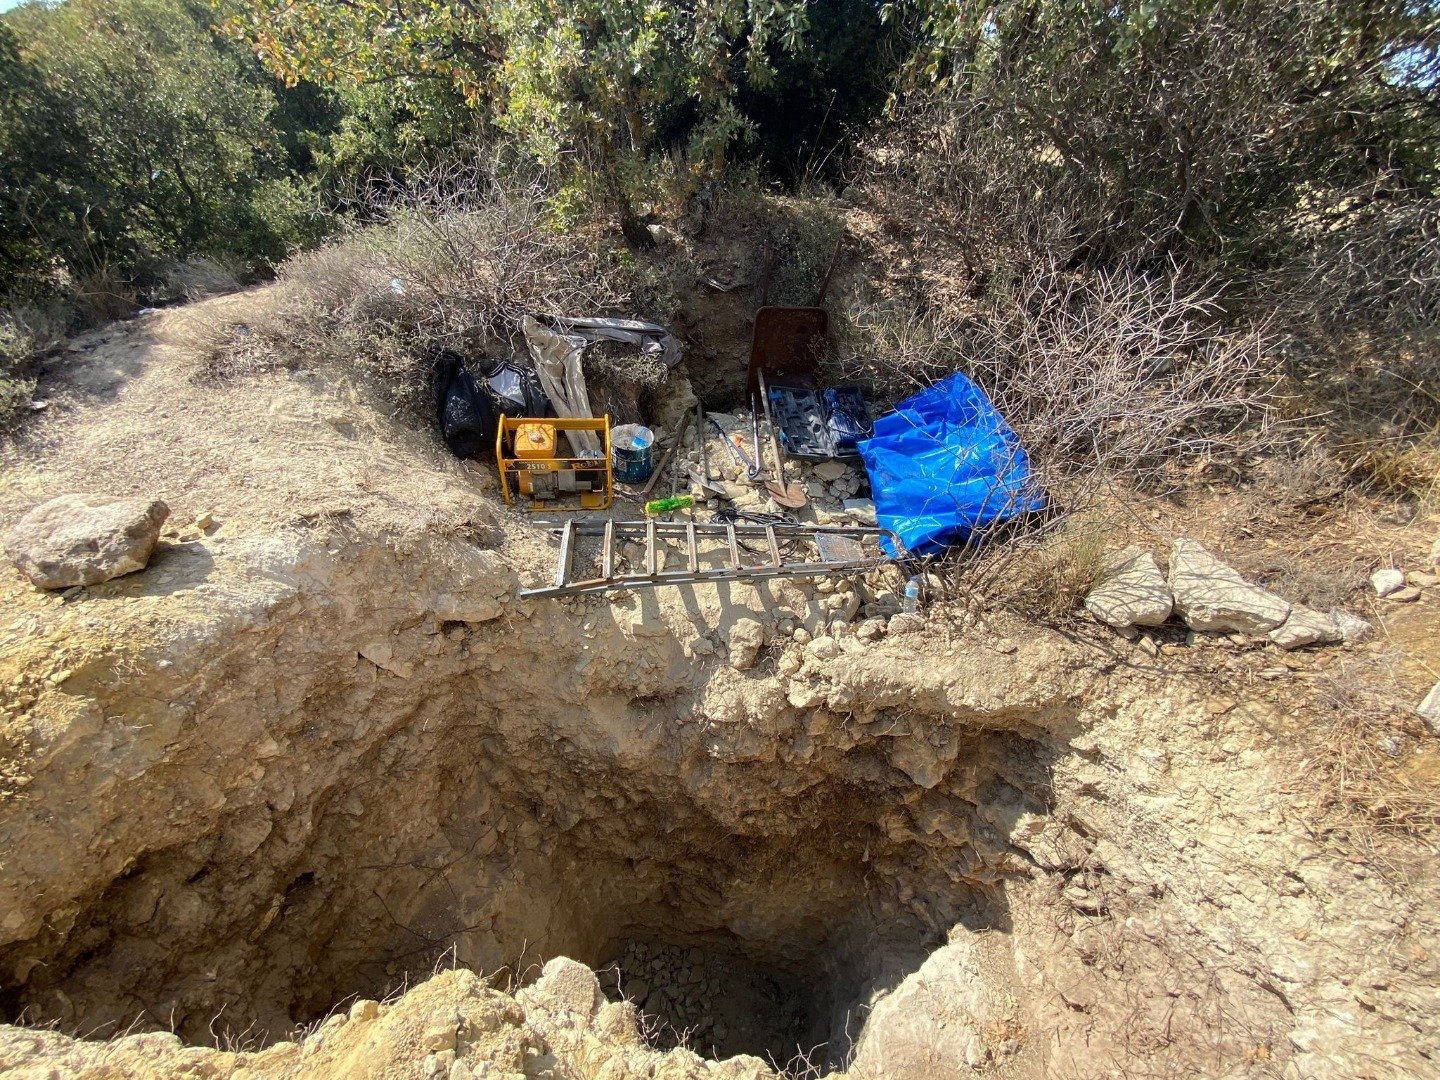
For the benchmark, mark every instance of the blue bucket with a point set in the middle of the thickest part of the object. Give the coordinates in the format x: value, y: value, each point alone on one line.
x: 631, y: 445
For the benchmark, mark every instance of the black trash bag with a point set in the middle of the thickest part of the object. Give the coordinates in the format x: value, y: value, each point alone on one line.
x: 516, y: 390
x: 467, y: 413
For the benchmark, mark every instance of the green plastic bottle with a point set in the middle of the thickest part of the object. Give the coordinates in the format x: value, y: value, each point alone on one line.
x: 663, y: 506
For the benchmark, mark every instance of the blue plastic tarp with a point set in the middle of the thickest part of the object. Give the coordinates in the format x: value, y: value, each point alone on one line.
x: 943, y: 464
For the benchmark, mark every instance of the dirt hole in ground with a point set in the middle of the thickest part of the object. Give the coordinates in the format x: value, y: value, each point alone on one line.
x: 751, y: 891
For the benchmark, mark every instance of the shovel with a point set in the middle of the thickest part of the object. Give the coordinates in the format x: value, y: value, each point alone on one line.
x: 792, y: 495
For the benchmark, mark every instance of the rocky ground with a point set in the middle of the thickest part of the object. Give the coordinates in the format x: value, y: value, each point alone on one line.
x: 259, y: 793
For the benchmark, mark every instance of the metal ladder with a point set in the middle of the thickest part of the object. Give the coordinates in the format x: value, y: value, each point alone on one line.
x: 744, y: 552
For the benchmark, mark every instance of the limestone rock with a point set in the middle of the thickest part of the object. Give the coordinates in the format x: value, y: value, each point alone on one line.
x: 564, y: 986
x: 747, y: 638
x: 1420, y: 579
x: 905, y: 623
x: 1305, y: 626
x: 822, y: 648
x: 1387, y: 581
x: 1429, y: 709
x: 861, y: 510
x: 85, y: 539
x: 1212, y: 596
x: 1408, y: 595
x: 382, y: 655
x: 830, y: 471
x: 1132, y: 591
x: 1353, y: 629
x: 933, y: 1016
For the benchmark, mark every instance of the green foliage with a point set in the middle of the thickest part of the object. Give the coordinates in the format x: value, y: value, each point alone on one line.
x: 133, y: 135
x: 1187, y: 127
x: 584, y: 83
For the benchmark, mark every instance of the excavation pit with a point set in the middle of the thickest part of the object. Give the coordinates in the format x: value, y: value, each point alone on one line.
x: 419, y: 792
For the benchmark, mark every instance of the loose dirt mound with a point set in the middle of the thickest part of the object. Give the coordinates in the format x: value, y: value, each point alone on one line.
x: 319, y: 750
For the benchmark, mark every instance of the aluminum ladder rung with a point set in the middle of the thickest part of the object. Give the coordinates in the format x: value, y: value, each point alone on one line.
x: 840, y: 539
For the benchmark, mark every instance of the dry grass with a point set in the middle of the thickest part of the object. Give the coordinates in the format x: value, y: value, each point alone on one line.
x: 1376, y: 785
x: 1050, y: 580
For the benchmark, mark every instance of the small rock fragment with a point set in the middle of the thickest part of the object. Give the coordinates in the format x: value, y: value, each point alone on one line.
x: 1422, y: 580
x: 905, y: 623
x: 823, y: 648
x: 364, y: 1009
x: 861, y: 510
x: 1407, y: 595
x: 1429, y: 709
x: 1305, y: 626
x: 830, y: 471
x: 1353, y: 629
x: 747, y: 638
x: 1387, y: 581
x: 870, y: 630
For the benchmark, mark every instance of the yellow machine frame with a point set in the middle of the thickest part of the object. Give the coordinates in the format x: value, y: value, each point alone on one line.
x: 514, y: 462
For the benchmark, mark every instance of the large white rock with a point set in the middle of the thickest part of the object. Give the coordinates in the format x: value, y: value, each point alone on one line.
x: 1306, y: 626
x: 1131, y: 592
x: 1212, y: 596
x: 934, y: 1024
x: 85, y: 539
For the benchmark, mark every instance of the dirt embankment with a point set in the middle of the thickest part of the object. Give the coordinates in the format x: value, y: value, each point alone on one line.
x: 319, y: 751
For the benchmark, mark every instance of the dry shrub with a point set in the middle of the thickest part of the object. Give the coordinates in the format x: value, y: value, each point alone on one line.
x: 103, y: 293
x: 1369, y: 262
x: 27, y: 332
x: 453, y: 259
x: 1120, y: 373
x: 196, y: 278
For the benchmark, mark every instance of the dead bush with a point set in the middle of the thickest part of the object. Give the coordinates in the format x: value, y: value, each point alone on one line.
x: 1117, y: 375
x: 455, y: 258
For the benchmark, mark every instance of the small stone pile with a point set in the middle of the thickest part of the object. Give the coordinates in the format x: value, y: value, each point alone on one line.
x: 1209, y: 596
x: 694, y: 996
x: 833, y: 487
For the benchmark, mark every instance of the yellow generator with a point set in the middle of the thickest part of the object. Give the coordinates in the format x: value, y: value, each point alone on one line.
x: 527, y: 450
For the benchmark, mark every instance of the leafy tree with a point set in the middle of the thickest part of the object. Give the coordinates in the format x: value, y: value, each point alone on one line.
x: 1187, y: 126
x: 132, y: 133
x: 579, y: 82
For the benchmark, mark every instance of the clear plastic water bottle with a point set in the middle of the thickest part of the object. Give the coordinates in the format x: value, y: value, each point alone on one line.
x: 911, y: 604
